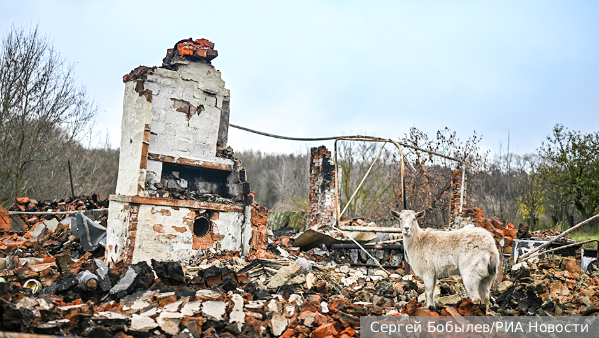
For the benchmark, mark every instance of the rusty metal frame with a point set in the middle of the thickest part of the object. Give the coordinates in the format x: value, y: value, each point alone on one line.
x: 397, y: 144
x: 369, y: 229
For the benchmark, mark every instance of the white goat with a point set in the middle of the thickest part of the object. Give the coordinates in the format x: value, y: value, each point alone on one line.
x: 437, y: 254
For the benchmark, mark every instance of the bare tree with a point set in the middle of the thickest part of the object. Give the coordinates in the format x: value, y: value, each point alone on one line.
x: 43, y: 111
x: 502, y: 186
x: 281, y: 181
x: 355, y: 158
x: 428, y: 177
x: 94, y: 167
x: 293, y: 181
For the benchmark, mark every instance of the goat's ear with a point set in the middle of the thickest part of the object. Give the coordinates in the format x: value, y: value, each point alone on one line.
x: 395, y: 213
x: 420, y: 214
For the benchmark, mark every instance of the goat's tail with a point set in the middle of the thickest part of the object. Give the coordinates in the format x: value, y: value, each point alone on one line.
x: 493, y: 262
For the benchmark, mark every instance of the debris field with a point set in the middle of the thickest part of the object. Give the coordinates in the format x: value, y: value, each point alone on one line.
x: 52, y: 286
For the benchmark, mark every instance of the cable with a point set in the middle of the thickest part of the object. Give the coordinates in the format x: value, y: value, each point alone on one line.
x: 342, y: 137
x: 297, y: 138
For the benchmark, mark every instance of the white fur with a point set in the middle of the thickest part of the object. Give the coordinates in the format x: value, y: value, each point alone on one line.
x: 433, y: 254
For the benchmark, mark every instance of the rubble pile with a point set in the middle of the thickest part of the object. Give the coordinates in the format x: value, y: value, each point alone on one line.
x: 82, y: 202
x: 552, y: 286
x: 45, y: 236
x: 503, y: 234
x: 26, y: 223
x: 50, y: 285
x: 547, y: 233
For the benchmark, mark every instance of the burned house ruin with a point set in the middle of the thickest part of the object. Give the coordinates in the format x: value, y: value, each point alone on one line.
x: 323, y: 203
x: 180, y: 190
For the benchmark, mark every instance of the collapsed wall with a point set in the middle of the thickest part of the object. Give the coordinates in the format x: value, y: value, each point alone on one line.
x: 179, y: 188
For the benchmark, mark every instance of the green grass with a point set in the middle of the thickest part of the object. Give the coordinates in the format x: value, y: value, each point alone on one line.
x: 581, y: 235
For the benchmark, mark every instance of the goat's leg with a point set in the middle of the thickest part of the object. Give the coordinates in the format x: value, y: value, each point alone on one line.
x: 429, y: 288
x: 484, y: 289
x: 471, y: 282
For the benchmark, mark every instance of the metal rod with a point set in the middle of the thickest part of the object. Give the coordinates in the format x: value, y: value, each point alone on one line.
x: 559, y: 236
x: 374, y: 265
x: 377, y: 246
x: 563, y: 247
x: 390, y: 241
x: 462, y: 188
x: 371, y: 229
x: 401, y: 170
x: 53, y: 212
x: 363, y: 180
x: 400, y: 143
x: 374, y: 139
x: 71, y: 179
x: 403, y: 184
x: 336, y: 185
x: 431, y: 152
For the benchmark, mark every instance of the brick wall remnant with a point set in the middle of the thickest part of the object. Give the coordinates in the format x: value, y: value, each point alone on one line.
x: 454, y: 202
x: 322, y: 188
x: 180, y: 190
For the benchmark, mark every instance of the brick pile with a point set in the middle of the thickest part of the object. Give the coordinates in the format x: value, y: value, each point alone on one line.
x: 503, y: 234
x: 23, y: 224
x: 276, y: 291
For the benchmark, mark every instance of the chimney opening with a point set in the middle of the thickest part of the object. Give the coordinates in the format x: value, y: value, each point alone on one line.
x: 201, y: 226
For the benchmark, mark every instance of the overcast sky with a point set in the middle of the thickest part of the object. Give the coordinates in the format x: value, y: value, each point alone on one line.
x: 324, y: 68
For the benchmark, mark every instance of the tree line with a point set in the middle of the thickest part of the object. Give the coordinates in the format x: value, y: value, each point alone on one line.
x: 46, y: 122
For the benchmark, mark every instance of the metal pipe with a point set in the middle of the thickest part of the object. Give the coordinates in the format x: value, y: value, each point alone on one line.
x: 401, y: 170
x: 368, y: 246
x: 403, y: 183
x: 374, y: 265
x: 402, y: 144
x: 376, y: 139
x: 390, y: 241
x: 462, y: 188
x: 371, y: 229
x: 336, y: 185
x: 71, y: 179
